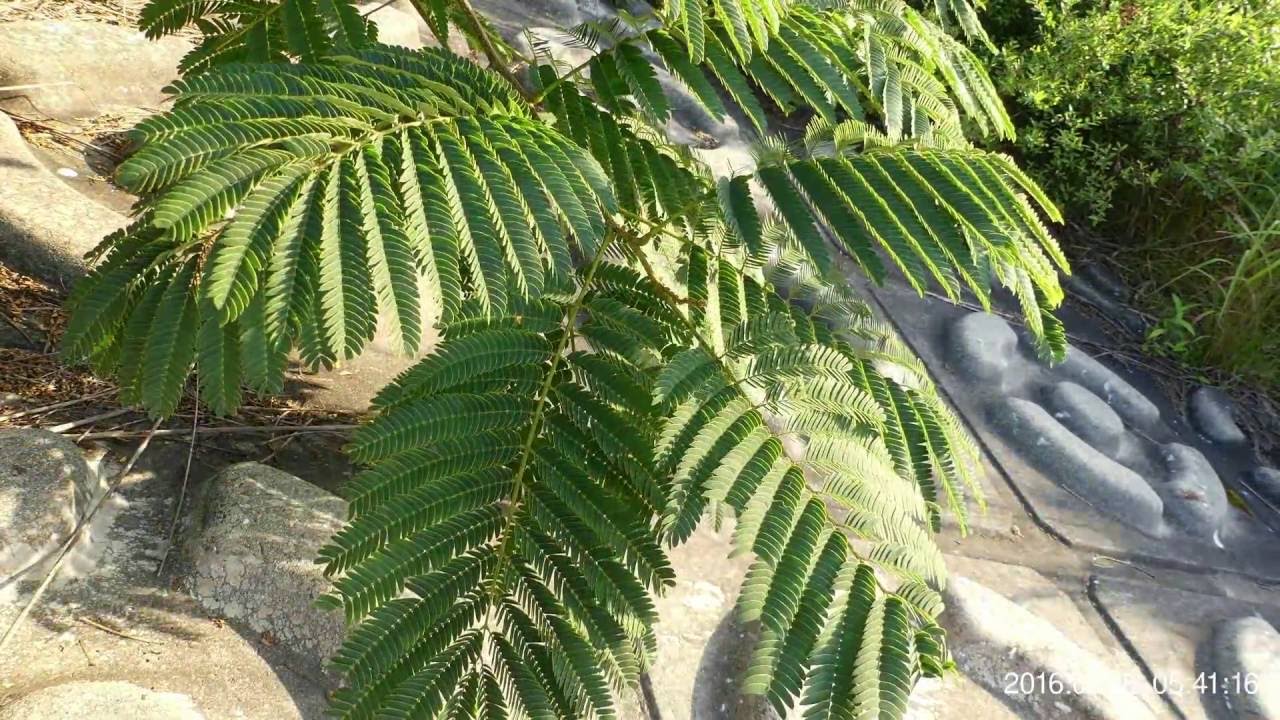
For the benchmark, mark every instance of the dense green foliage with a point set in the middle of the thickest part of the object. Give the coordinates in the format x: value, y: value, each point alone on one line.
x: 1158, y: 121
x: 627, y: 344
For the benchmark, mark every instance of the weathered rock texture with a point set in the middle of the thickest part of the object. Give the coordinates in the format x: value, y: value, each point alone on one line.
x: 83, y: 68
x: 258, y: 532
x: 101, y: 701
x: 1004, y: 643
x: 1246, y: 662
x: 46, y: 227
x: 45, y: 485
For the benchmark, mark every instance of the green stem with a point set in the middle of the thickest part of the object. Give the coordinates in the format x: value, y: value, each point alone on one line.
x: 540, y: 409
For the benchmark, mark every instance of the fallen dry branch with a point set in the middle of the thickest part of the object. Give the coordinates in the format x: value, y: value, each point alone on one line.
x: 234, y: 429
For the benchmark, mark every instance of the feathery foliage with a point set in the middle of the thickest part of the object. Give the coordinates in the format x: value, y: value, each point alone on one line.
x: 627, y: 343
x: 248, y: 31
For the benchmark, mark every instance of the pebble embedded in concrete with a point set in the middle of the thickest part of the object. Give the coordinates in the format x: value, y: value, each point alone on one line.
x: 1086, y: 415
x: 1108, y: 486
x: 1246, y: 667
x: 981, y: 345
x: 1193, y: 496
x: 1211, y: 413
x: 1128, y: 402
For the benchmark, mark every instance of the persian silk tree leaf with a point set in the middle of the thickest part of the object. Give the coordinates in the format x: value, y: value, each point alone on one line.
x: 492, y: 514
x: 692, y: 16
x: 719, y: 447
x: 170, y: 344
x: 436, y: 15
x: 683, y: 65
x: 218, y: 359
x: 234, y: 30
x: 353, y: 190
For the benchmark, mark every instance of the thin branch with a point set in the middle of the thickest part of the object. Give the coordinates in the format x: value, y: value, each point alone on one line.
x: 14, y: 324
x: 496, y: 62
x: 385, y: 4
x: 35, y: 86
x: 539, y: 411
x: 182, y: 494
x: 89, y: 420
x: 542, y: 94
x: 64, y: 135
x: 238, y: 429
x: 55, y: 406
x: 73, y: 538
x: 113, y: 631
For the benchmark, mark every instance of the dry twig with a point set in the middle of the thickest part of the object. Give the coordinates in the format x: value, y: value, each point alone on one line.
x: 237, y: 429
x: 115, y: 632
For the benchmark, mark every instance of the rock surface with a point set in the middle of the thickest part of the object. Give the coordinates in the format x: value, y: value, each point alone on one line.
x: 1086, y: 415
x: 258, y: 532
x: 1193, y: 496
x: 1108, y: 485
x: 46, y: 227
x: 44, y: 486
x: 85, y: 68
x: 101, y: 701
x: 397, y: 22
x: 1179, y: 636
x: 1001, y: 639
x: 702, y: 650
x: 108, y: 618
x: 1246, y: 658
x: 1211, y: 413
x: 981, y: 345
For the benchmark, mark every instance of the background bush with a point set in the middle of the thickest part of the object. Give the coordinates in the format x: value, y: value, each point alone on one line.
x: 1157, y: 123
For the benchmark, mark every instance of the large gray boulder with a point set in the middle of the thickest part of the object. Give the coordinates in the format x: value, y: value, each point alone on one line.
x: 77, y: 68
x: 45, y: 485
x: 258, y: 531
x: 46, y: 227
x: 101, y: 701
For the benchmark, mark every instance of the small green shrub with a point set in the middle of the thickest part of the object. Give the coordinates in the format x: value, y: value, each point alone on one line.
x: 1158, y: 122
x: 1147, y: 103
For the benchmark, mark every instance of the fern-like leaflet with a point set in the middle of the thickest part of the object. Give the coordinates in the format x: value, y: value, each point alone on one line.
x: 626, y: 342
x: 390, y: 182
